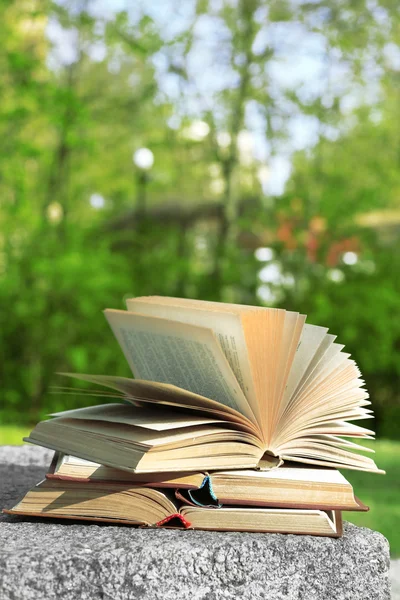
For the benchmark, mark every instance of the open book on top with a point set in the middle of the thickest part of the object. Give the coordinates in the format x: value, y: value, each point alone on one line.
x: 219, y: 386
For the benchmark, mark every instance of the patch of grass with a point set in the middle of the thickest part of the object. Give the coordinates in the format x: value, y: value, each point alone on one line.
x: 381, y: 493
x: 11, y: 435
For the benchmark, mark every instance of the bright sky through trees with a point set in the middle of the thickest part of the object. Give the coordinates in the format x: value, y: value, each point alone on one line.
x: 300, y: 63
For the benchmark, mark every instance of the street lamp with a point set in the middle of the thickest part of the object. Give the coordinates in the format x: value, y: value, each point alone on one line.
x: 143, y: 159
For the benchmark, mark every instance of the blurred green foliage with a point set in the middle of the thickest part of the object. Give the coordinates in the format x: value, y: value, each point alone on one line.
x: 12, y: 435
x: 380, y: 493
x: 214, y: 89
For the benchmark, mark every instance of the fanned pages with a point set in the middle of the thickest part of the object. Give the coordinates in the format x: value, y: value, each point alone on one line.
x: 235, y: 386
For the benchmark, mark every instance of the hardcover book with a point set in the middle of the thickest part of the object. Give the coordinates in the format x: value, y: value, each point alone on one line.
x: 143, y: 506
x: 219, y: 387
x: 290, y: 486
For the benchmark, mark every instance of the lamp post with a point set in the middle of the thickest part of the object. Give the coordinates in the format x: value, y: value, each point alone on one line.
x: 143, y: 159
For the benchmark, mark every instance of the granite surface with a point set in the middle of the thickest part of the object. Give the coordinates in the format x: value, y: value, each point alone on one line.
x: 46, y: 560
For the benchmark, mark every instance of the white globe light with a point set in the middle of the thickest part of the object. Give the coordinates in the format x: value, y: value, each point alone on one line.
x: 350, y: 258
x: 264, y: 254
x: 97, y: 201
x: 143, y: 158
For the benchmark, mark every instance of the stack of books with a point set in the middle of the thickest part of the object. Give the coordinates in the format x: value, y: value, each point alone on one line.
x: 238, y: 419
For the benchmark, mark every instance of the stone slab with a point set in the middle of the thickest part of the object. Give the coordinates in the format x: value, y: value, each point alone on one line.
x: 46, y: 560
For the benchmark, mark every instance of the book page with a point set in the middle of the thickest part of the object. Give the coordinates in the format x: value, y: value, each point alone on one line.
x: 157, y: 420
x: 324, y: 355
x: 140, y: 436
x: 272, y: 520
x: 311, y: 338
x: 161, y: 395
x: 293, y: 473
x: 326, y: 350
x: 293, y: 326
x: 227, y: 327
x: 183, y: 355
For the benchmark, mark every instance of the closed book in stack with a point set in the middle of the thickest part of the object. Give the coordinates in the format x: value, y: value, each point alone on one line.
x: 288, y: 499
